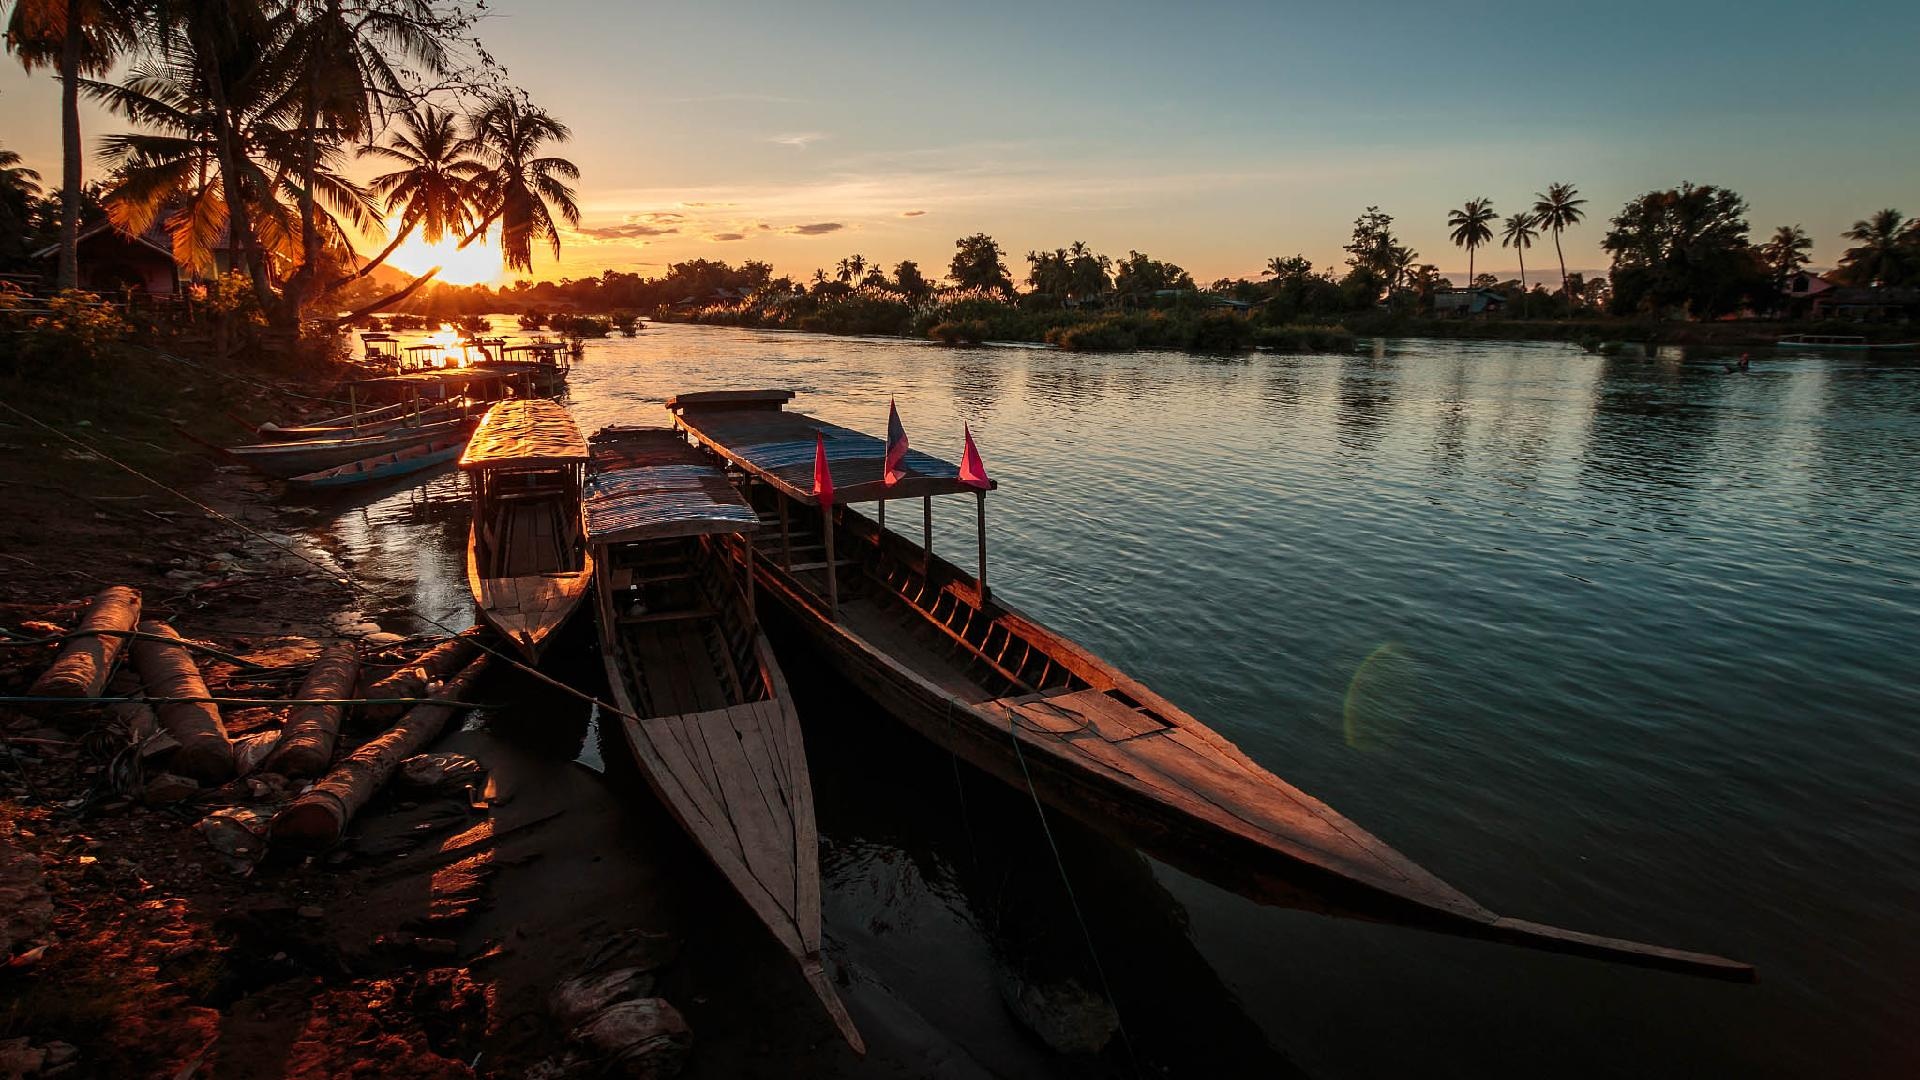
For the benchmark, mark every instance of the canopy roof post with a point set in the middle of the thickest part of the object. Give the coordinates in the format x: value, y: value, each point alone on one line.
x: 881, y: 514
x: 833, y: 581
x: 786, y: 541
x: 980, y: 516
x: 926, y: 527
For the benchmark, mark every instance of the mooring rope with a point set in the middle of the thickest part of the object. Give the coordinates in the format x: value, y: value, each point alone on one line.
x: 54, y: 699
x: 21, y: 641
x: 1073, y: 899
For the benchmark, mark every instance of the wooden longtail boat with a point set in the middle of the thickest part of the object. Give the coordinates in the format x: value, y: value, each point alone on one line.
x: 411, y: 459
x: 369, y: 422
x: 290, y: 459
x: 936, y: 648
x: 527, y: 558
x: 1843, y: 343
x: 709, y: 718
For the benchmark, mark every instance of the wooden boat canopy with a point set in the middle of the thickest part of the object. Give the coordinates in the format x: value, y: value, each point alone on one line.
x: 525, y: 433
x: 751, y: 429
x: 648, y: 484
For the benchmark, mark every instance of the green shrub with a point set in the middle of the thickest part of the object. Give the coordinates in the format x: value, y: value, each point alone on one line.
x: 1112, y: 334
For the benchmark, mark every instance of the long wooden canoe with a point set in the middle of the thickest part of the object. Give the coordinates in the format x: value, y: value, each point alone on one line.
x: 401, y: 462
x: 527, y: 558
x: 936, y: 648
x: 289, y: 459
x: 371, y: 422
x: 709, y: 719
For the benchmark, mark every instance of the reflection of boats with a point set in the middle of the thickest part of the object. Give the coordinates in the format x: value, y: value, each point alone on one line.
x: 1840, y: 341
x: 527, y: 559
x: 289, y: 459
x: 712, y: 725
x: 400, y: 462
x: 932, y: 645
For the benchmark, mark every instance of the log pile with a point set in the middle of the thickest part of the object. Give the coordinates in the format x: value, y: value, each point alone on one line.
x: 167, y: 670
x: 87, y: 658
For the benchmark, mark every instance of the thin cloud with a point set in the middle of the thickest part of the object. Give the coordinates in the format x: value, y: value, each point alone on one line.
x: 913, y: 213
x: 629, y: 231
x: 724, y: 236
x: 799, y: 140
x: 818, y: 228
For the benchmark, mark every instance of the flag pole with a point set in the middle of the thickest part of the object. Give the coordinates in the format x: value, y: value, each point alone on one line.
x: 980, y: 518
x: 833, y: 583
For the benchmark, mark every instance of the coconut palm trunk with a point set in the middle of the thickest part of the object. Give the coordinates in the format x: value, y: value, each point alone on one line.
x: 71, y: 46
x: 240, y: 239
x: 1565, y: 296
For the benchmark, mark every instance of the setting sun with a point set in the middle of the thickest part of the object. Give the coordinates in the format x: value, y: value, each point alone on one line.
x: 475, y: 264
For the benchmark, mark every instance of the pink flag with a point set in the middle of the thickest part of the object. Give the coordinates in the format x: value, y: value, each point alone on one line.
x: 972, y: 472
x: 822, y: 476
x: 896, y: 463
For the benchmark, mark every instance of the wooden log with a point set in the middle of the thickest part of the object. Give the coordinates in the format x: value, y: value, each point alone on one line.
x: 319, y: 818
x: 412, y: 680
x: 306, y: 745
x: 168, y: 671
x: 85, y: 662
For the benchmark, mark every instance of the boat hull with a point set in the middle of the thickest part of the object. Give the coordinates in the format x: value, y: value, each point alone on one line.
x: 385, y: 467
x: 528, y: 610
x: 287, y: 460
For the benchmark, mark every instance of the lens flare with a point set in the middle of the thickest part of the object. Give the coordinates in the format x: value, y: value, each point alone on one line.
x: 1380, y: 697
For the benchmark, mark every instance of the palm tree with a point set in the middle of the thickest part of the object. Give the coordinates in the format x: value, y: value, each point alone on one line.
x: 516, y: 187
x: 1785, y: 253
x: 1469, y: 225
x: 1556, y: 210
x: 1519, y: 235
x: 434, y: 188
x: 76, y: 38
x: 850, y: 269
x: 1878, y: 257
x: 19, y: 186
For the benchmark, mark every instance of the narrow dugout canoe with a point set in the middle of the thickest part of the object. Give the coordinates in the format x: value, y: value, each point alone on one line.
x: 710, y: 721
x: 410, y: 459
x: 290, y: 459
x: 935, y: 647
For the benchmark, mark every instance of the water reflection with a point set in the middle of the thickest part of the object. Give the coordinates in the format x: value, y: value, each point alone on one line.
x: 1365, y: 399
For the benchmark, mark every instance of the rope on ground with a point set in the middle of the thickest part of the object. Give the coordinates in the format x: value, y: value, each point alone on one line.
x: 337, y: 574
x: 21, y: 641
x: 136, y: 699
x: 1073, y: 899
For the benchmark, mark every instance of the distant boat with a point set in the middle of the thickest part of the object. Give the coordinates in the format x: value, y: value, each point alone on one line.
x: 527, y: 558
x: 712, y: 726
x: 409, y: 459
x: 290, y: 459
x: 933, y: 646
x: 1840, y: 341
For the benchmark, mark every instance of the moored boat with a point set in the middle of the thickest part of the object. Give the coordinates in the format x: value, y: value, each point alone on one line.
x: 709, y: 719
x: 934, y: 646
x: 1841, y: 342
x: 370, y: 422
x: 298, y: 457
x: 411, y: 459
x: 527, y: 558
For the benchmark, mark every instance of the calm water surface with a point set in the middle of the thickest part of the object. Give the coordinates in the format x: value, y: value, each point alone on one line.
x: 1624, y: 644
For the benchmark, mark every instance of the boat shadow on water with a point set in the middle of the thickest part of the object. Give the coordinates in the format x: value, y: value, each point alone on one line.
x: 946, y: 907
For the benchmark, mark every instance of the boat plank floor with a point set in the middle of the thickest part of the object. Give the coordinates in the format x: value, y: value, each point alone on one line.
x: 765, y: 838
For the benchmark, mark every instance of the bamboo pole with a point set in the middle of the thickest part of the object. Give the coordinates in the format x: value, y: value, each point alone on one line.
x: 85, y: 661
x: 926, y: 527
x: 320, y: 817
x: 881, y: 514
x: 786, y: 543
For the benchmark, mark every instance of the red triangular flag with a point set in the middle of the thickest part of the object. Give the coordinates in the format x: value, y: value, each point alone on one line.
x: 972, y: 472
x: 822, y: 476
x: 896, y: 463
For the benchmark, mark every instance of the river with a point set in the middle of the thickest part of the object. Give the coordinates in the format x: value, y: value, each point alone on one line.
x: 1620, y: 643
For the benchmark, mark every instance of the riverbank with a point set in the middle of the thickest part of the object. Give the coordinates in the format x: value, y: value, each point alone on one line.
x: 146, y: 933
x: 1203, y: 330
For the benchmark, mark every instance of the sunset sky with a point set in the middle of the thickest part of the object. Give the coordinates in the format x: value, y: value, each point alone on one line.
x: 1214, y: 135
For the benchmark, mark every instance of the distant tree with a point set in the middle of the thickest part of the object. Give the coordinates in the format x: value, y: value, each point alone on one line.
x: 75, y: 38
x: 909, y: 282
x: 876, y: 277
x: 977, y: 264
x: 1050, y: 273
x: 1469, y: 228
x: 1138, y: 277
x: 1287, y: 269
x: 1684, y: 247
x: 1556, y: 210
x: 1519, y: 234
x: 1088, y: 274
x: 851, y: 269
x: 1371, y: 248
x: 1885, y: 251
x: 1785, y: 253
